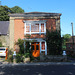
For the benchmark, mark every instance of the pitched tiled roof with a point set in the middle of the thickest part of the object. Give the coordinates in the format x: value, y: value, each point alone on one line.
x: 34, y: 14
x: 4, y: 26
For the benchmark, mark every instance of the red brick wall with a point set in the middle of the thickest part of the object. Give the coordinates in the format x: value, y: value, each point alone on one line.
x: 19, y: 28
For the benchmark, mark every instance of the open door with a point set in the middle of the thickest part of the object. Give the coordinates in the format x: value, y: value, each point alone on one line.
x: 35, y: 46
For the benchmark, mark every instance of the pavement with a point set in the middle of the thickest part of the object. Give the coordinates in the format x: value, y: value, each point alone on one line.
x: 70, y: 62
x: 37, y: 63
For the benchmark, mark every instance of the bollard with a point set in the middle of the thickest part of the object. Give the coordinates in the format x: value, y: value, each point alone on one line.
x: 14, y: 57
x: 6, y: 53
x: 64, y: 55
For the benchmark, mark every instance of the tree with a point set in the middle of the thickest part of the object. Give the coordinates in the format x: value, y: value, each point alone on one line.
x: 5, y: 11
x: 54, y: 42
x: 17, y: 9
x: 65, y: 39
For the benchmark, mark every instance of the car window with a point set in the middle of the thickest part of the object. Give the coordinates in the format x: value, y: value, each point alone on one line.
x: 2, y: 49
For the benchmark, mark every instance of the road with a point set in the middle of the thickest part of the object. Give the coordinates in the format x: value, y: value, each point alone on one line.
x: 38, y: 70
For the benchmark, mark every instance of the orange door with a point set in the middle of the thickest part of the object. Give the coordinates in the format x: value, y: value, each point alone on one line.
x: 35, y: 49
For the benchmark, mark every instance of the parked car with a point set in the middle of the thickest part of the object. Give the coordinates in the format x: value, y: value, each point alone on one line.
x: 3, y: 51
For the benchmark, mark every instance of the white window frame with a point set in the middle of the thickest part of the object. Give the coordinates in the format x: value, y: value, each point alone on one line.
x: 45, y: 50
x: 34, y: 22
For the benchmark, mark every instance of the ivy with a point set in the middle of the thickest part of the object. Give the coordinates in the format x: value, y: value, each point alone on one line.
x: 54, y: 43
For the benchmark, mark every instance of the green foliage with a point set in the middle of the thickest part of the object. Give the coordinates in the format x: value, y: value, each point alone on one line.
x: 27, y: 48
x: 21, y: 45
x: 0, y: 44
x: 27, y: 36
x: 27, y: 55
x: 54, y: 42
x: 65, y: 39
x: 5, y: 11
x: 19, y: 58
x: 10, y: 56
x: 17, y: 9
x: 23, y: 52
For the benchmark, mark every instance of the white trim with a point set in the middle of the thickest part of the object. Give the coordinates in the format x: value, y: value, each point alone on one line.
x: 42, y: 50
x: 40, y: 28
x: 35, y: 32
x: 30, y: 28
x: 35, y: 21
x: 45, y: 28
x: 25, y: 28
x: 45, y: 48
x: 30, y: 45
x: 29, y: 22
x: 40, y: 47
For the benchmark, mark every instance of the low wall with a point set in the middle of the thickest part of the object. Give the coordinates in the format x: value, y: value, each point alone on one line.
x: 53, y: 58
x: 5, y: 40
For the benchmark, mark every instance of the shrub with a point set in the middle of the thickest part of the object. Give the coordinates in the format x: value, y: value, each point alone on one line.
x: 19, y: 58
x: 10, y: 56
x: 54, y: 43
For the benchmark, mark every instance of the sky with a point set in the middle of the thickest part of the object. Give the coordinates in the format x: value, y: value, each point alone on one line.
x: 65, y: 7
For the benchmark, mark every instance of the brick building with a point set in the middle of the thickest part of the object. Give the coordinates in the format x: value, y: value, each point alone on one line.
x: 35, y: 25
x: 70, y: 45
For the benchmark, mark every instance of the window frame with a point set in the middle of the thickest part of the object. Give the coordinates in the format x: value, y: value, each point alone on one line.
x: 35, y: 22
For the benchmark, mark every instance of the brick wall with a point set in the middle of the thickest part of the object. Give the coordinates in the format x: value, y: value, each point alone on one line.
x: 19, y: 28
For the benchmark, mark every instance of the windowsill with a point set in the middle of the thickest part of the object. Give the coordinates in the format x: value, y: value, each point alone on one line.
x: 35, y: 33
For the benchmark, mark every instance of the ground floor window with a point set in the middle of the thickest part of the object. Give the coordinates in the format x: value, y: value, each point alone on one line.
x: 43, y: 45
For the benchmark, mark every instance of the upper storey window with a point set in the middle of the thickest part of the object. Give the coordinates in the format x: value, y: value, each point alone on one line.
x: 35, y: 27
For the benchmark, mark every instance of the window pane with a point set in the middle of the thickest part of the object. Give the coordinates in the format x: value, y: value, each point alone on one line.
x: 27, y: 28
x: 37, y: 43
x: 42, y: 27
x: 32, y: 42
x: 2, y: 49
x: 35, y: 27
x: 37, y: 47
x: 32, y: 47
x: 43, y: 46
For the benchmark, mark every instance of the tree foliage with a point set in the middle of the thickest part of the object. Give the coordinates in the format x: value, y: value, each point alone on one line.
x: 53, y: 39
x: 17, y: 9
x: 5, y: 11
x: 65, y: 39
x: 21, y: 45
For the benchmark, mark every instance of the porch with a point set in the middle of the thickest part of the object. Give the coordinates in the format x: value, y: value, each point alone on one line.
x: 37, y: 46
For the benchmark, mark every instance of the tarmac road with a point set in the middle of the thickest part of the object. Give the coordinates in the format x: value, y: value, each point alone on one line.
x: 37, y: 70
